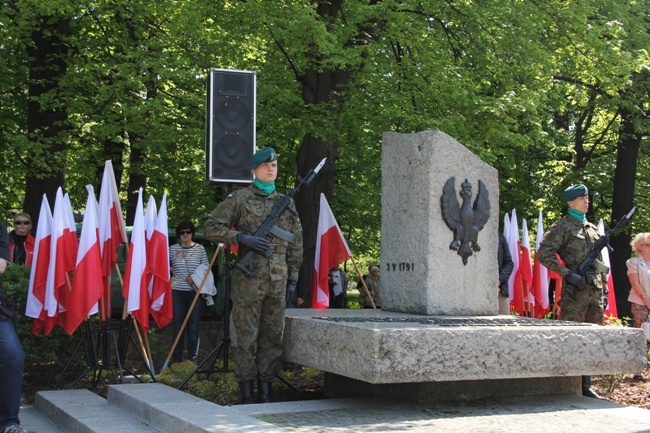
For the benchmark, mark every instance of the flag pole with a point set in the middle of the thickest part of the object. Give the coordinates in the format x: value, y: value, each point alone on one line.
x: 363, y: 283
x: 189, y: 312
x: 144, y: 349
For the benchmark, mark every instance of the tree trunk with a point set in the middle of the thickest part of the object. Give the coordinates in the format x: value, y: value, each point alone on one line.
x: 46, y: 125
x: 627, y: 148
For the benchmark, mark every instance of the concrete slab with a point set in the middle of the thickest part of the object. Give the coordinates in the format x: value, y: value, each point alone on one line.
x: 82, y: 411
x: 378, y: 346
x: 171, y: 410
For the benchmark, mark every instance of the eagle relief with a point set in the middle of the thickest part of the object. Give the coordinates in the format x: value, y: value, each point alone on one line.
x: 465, y: 219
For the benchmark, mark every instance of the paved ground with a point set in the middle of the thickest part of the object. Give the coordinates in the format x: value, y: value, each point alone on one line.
x: 531, y: 415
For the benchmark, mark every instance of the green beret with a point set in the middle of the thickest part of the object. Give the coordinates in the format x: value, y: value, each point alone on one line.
x: 263, y: 155
x: 574, y: 191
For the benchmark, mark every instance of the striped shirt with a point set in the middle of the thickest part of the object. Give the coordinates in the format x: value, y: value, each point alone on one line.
x: 184, y: 262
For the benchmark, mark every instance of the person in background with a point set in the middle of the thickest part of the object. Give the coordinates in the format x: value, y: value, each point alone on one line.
x: 21, y: 241
x: 373, y: 284
x: 506, y: 265
x: 185, y: 257
x: 638, y: 272
x: 338, y: 284
x: 12, y: 357
x: 572, y: 237
x: 259, y: 301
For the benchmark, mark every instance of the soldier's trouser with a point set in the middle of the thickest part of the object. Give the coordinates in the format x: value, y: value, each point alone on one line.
x: 587, y: 307
x: 258, y: 318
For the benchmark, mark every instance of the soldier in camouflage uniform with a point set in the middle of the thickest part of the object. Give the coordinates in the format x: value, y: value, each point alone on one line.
x: 258, y: 303
x: 572, y: 237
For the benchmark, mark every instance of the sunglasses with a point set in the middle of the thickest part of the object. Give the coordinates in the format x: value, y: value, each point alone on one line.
x: 22, y: 223
x: 185, y: 232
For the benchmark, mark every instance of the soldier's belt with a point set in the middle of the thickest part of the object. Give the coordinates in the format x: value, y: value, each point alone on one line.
x: 278, y: 249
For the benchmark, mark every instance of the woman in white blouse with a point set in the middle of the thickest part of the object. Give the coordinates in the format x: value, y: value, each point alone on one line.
x: 638, y: 272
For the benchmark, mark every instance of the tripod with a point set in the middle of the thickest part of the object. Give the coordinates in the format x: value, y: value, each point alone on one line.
x: 223, y: 345
x: 104, y: 348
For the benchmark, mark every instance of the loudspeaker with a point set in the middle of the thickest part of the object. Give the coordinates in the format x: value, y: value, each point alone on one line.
x: 230, y: 126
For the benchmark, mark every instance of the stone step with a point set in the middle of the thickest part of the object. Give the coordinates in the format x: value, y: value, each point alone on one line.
x: 82, y: 411
x: 171, y: 410
x: 145, y: 408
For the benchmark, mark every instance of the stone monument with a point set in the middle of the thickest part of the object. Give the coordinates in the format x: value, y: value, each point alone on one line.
x: 438, y: 335
x: 419, y: 272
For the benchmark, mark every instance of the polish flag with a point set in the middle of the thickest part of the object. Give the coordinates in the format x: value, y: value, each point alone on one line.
x: 526, y: 270
x: 506, y: 234
x: 87, y: 284
x: 112, y: 231
x: 40, y: 265
x: 158, y: 263
x: 540, y: 276
x: 56, y: 287
x: 150, y: 215
x: 70, y: 233
x: 135, y: 291
x: 514, y: 282
x: 331, y: 251
x: 611, y: 309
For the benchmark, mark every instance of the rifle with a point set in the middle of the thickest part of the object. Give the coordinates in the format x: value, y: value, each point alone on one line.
x: 245, y: 262
x: 591, y: 261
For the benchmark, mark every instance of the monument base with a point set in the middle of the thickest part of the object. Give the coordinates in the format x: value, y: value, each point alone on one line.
x: 458, y: 358
x: 337, y: 386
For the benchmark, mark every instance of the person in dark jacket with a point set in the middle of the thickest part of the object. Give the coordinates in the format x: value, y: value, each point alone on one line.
x: 12, y: 357
x: 505, y: 270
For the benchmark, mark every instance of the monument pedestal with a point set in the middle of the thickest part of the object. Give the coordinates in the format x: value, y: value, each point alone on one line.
x: 375, y: 352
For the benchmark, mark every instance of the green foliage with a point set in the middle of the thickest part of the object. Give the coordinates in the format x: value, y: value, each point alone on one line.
x: 47, y: 352
x: 535, y: 89
x: 224, y: 390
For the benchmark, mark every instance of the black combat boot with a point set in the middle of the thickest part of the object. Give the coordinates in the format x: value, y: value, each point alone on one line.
x: 263, y: 391
x: 246, y: 391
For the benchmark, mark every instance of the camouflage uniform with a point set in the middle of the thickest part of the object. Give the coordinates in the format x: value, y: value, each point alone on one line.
x: 572, y: 240
x: 258, y: 302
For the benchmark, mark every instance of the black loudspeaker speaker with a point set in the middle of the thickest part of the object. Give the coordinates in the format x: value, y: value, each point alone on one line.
x: 230, y: 126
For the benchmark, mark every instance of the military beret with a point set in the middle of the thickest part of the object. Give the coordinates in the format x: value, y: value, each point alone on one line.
x: 574, y: 191
x: 263, y: 155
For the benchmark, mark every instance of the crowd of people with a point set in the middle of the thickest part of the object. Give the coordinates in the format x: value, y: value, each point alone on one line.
x: 261, y: 293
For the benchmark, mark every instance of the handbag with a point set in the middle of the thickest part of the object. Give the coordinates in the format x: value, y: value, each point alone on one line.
x: 646, y: 329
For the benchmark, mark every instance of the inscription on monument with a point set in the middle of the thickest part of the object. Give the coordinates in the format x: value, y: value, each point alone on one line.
x: 465, y: 219
x: 401, y: 267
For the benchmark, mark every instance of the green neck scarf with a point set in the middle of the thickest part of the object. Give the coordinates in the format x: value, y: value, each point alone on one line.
x: 577, y: 214
x: 267, y: 187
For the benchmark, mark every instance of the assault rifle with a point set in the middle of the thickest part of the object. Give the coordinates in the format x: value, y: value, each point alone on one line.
x: 245, y: 262
x: 591, y: 262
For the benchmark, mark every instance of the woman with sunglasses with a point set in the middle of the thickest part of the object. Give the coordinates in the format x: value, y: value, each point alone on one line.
x: 638, y: 271
x: 21, y: 241
x: 185, y: 257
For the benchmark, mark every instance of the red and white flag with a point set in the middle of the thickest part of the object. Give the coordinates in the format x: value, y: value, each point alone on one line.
x: 540, y: 276
x: 526, y: 270
x: 56, y: 287
x: 112, y: 231
x: 611, y: 309
x: 135, y: 290
x: 150, y: 215
x: 87, y: 284
x: 40, y: 265
x: 70, y: 233
x: 331, y: 251
x: 514, y: 282
x: 158, y: 263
